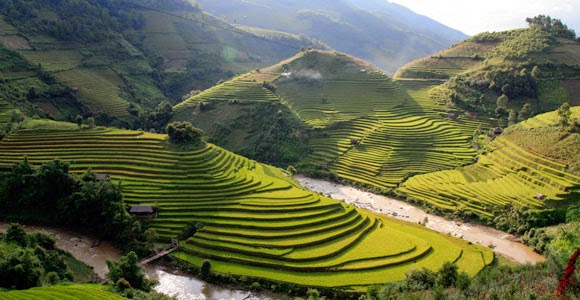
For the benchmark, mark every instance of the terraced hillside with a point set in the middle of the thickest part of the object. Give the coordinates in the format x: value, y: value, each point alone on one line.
x: 475, y: 71
x: 59, y: 292
x: 5, y: 112
x: 116, y: 55
x: 362, y: 125
x: 533, y: 164
x: 257, y: 221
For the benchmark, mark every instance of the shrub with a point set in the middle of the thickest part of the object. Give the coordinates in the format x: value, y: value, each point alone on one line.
x: 447, y: 275
x: 420, y: 279
x: 205, y: 270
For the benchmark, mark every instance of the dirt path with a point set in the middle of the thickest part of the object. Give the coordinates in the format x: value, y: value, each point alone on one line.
x: 504, y: 244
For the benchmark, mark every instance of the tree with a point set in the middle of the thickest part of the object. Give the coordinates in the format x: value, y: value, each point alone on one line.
x: 420, y: 279
x: 205, y: 269
x: 551, y: 25
x: 447, y: 275
x: 501, y: 104
x: 20, y: 269
x: 525, y: 113
x: 79, y: 120
x: 17, y: 235
x: 184, y: 132
x: 128, y: 269
x: 512, y: 118
x: 91, y: 122
x: 564, y: 114
x: 536, y: 72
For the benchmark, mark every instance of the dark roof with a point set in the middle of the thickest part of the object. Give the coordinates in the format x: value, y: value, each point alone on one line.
x: 141, y: 209
x: 498, y: 130
x: 101, y: 176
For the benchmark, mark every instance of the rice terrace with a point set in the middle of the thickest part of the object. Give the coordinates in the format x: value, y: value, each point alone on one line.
x: 177, y: 133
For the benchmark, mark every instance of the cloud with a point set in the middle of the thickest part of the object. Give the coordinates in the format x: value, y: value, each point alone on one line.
x: 308, y: 74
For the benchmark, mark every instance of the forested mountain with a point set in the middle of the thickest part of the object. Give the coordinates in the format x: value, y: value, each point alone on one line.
x: 117, y: 60
x: 383, y: 33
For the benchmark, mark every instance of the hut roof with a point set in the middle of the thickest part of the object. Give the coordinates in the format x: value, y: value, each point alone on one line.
x: 141, y: 209
x: 101, y: 176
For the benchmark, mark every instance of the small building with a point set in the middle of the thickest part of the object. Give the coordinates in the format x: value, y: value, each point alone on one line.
x: 102, y: 177
x: 142, y: 211
x: 471, y: 115
x: 540, y: 196
x: 497, y: 131
x: 452, y: 116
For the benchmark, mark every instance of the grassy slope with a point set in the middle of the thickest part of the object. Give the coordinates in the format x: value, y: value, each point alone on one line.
x: 108, y: 75
x: 338, y: 98
x: 58, y: 292
x: 257, y: 222
x: 532, y: 157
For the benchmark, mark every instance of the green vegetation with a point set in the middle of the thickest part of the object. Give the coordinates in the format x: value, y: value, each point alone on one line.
x: 502, y: 280
x: 71, y: 200
x: 126, y: 273
x: 29, y: 260
x: 57, y: 292
x: 533, y: 164
x: 343, y: 115
x: 116, y: 61
x: 257, y: 222
x: 535, y: 67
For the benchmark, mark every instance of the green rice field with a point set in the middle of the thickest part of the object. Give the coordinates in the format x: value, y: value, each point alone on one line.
x: 258, y: 221
x: 511, y: 174
x: 398, y: 130
x: 60, y: 292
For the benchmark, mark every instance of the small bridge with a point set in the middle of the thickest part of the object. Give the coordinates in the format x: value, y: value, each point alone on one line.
x: 159, y: 255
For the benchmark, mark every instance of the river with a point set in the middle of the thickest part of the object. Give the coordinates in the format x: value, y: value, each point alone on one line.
x: 505, y: 244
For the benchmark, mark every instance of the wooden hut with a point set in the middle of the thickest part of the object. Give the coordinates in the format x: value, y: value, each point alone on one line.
x: 142, y: 211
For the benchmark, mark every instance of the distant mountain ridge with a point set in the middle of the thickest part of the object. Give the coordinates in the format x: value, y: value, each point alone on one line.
x: 383, y: 33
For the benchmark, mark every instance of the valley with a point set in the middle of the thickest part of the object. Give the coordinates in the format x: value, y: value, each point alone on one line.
x: 269, y: 145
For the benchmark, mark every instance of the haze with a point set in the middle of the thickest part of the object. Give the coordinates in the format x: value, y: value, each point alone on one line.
x: 473, y: 17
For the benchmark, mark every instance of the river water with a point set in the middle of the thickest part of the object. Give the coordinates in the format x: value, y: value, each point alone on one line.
x: 505, y: 244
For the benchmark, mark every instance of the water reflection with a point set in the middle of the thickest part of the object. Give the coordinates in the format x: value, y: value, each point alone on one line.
x: 186, y: 287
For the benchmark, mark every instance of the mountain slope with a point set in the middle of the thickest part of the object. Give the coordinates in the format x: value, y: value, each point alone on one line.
x: 533, y: 164
x: 112, y: 59
x: 352, y: 119
x: 257, y: 222
x: 530, y: 66
x: 386, y: 34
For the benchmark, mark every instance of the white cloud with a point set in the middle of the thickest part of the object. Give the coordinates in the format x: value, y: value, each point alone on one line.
x: 473, y: 17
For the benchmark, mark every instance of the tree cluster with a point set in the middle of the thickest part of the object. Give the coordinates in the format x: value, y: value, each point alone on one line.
x: 551, y: 25
x: 158, y: 118
x: 513, y: 83
x: 51, y: 195
x: 184, y: 132
x: 126, y: 273
x: 29, y: 260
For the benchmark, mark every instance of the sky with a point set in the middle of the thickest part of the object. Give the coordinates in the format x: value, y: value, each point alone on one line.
x: 473, y: 17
